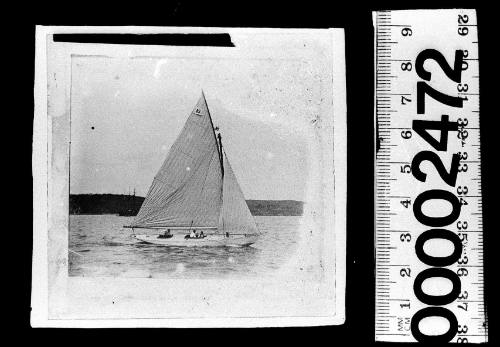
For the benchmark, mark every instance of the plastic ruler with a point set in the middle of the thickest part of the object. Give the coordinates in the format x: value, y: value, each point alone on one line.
x: 429, y: 232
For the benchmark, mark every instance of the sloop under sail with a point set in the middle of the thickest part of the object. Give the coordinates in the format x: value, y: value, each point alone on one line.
x: 196, y: 186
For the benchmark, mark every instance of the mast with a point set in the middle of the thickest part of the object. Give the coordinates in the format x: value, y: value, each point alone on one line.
x: 219, y: 143
x: 220, y: 154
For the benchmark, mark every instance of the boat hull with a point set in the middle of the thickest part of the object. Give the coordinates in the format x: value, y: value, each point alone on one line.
x: 208, y: 241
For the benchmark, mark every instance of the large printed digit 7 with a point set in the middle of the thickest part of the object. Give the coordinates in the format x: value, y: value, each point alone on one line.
x: 423, y: 88
x: 455, y: 74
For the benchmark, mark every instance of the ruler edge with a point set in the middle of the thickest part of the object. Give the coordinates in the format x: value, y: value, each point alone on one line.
x: 375, y: 16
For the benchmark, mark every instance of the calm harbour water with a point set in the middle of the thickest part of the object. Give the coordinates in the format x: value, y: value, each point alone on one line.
x: 100, y: 246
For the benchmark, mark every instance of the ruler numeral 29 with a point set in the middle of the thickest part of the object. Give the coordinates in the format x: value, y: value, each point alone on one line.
x: 438, y: 224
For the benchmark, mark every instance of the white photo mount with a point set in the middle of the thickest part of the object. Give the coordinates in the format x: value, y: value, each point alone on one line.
x: 284, y: 299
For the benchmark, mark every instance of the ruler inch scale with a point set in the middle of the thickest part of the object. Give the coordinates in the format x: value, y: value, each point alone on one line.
x: 428, y: 205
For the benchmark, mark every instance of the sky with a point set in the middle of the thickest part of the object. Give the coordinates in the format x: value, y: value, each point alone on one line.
x: 127, y: 112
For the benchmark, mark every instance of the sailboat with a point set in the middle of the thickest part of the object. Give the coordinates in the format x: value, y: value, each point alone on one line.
x: 195, y: 198
x: 130, y: 206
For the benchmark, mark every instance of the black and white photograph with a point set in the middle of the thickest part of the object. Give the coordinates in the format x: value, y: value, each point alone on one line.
x: 193, y: 186
x: 125, y: 119
x: 296, y: 174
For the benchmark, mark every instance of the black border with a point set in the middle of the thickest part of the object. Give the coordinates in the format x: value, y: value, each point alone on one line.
x: 356, y: 18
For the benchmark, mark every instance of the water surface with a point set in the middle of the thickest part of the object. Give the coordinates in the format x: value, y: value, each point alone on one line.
x: 100, y: 246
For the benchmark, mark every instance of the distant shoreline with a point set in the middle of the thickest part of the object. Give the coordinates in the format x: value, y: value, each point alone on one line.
x: 128, y: 205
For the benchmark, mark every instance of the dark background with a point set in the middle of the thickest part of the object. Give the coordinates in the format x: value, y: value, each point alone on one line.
x: 356, y: 18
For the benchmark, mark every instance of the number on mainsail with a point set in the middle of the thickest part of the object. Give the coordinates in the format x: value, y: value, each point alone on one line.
x: 196, y: 187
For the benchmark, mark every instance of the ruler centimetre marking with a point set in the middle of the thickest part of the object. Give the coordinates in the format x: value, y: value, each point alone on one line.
x: 417, y: 293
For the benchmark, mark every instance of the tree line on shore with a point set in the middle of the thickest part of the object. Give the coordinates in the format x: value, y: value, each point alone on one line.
x: 129, y: 205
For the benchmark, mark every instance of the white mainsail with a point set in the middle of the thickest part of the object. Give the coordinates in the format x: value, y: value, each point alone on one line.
x: 196, y: 186
x: 187, y: 190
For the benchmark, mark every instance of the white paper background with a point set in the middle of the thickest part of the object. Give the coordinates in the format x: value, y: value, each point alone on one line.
x: 286, y: 298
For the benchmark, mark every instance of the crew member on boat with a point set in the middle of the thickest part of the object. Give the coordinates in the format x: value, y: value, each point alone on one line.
x: 166, y: 235
x: 193, y: 234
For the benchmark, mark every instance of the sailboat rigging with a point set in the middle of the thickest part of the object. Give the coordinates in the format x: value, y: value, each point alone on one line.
x: 196, y: 189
